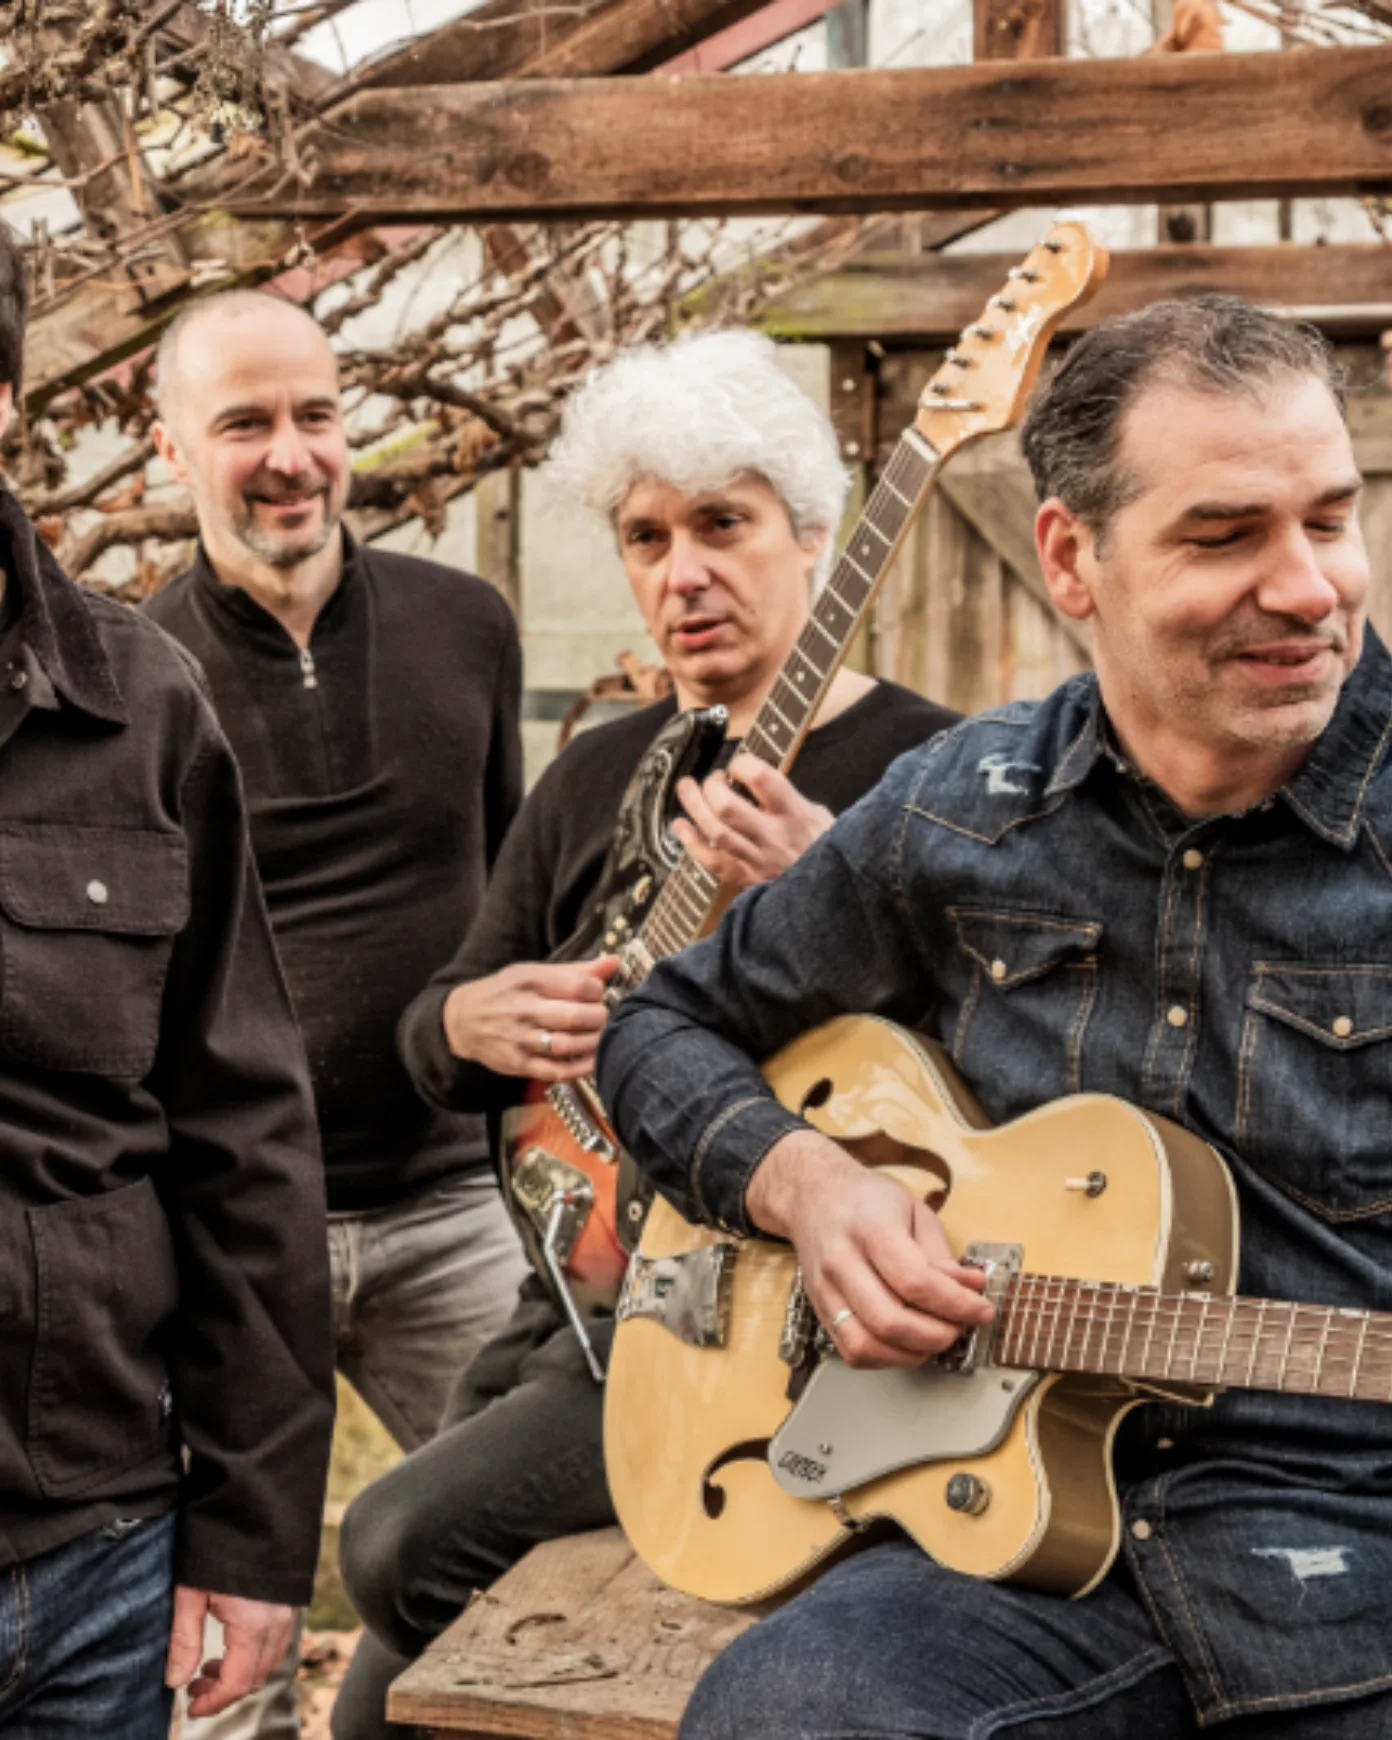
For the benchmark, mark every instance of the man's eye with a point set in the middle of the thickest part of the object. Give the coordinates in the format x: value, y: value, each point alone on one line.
x: 1329, y: 528
x: 1218, y: 543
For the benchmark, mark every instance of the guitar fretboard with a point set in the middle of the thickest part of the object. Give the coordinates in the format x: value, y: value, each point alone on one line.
x: 682, y: 906
x: 1052, y: 1324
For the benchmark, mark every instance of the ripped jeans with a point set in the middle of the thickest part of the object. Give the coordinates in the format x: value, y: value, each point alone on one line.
x: 889, y: 1646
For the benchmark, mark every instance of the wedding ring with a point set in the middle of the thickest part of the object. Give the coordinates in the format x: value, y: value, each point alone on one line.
x: 546, y: 1042
x: 844, y: 1315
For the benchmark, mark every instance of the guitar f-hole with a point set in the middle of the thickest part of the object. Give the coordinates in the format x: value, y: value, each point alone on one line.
x: 713, y: 1495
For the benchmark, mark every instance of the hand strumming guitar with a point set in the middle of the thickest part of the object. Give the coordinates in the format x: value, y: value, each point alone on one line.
x: 536, y: 1018
x: 742, y: 842
x: 875, y: 1263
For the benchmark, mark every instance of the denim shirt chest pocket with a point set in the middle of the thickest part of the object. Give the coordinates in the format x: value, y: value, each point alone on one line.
x: 1314, y: 1091
x: 1032, y: 987
x: 88, y: 918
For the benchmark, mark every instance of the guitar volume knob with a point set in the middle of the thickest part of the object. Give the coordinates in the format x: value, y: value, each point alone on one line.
x: 968, y: 1494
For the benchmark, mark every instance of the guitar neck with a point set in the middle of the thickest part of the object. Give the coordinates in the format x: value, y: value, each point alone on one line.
x: 681, y: 911
x: 1052, y: 1324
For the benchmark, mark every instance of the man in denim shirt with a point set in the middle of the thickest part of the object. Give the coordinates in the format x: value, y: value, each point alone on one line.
x: 1170, y: 881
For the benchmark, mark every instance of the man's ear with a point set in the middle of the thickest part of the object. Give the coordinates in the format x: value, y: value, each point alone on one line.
x: 1067, y: 555
x: 813, y: 544
x: 168, y: 449
x: 7, y: 407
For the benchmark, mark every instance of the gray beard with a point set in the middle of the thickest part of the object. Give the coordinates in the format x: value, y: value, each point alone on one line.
x: 284, y: 550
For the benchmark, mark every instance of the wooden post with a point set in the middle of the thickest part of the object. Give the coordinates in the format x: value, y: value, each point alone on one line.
x: 497, y: 533
x: 1017, y: 29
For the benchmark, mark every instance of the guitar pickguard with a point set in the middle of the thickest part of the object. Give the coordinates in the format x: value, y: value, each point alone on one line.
x: 852, y: 1426
x: 643, y: 850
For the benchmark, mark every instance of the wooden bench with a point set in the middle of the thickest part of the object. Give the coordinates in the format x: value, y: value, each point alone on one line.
x: 578, y: 1642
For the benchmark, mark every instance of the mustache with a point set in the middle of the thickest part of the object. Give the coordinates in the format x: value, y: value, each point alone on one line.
x: 1331, y: 635
x: 264, y: 490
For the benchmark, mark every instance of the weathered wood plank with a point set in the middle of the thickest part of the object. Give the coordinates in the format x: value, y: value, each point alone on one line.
x: 580, y: 1640
x: 1017, y: 29
x: 1347, y: 287
x: 504, y: 40
x: 1022, y: 132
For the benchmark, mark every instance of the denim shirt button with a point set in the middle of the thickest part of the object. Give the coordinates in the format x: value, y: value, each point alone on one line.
x: 1141, y: 1529
x: 97, y: 892
x: 1177, y: 1016
x: 1342, y: 1027
x: 1193, y: 860
x: 998, y: 970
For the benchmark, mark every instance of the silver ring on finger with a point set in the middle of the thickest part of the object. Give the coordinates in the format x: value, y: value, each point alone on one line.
x: 547, y: 1042
x: 844, y: 1315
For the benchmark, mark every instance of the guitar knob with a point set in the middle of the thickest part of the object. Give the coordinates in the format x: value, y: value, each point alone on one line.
x: 968, y: 1494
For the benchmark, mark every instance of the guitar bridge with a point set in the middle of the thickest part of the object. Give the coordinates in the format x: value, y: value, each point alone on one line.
x: 689, y: 1295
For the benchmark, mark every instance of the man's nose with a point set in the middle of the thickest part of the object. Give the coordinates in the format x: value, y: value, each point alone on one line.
x: 686, y: 568
x: 288, y: 453
x: 1295, y: 583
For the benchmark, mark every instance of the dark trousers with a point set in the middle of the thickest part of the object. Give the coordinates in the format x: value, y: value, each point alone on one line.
x: 890, y: 1646
x: 84, y: 1631
x: 518, y: 1460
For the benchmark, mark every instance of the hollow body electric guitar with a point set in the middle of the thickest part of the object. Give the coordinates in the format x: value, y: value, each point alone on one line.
x: 743, y: 1454
x: 561, y: 1155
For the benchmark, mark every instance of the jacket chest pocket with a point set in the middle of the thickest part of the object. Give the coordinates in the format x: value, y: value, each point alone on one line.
x: 1032, y: 986
x: 1314, y: 1088
x: 88, y: 918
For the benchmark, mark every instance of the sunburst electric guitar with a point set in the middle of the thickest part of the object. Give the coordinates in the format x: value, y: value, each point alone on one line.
x: 743, y: 1454
x: 561, y: 1155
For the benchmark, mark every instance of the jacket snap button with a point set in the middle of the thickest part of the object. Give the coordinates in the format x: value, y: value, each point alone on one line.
x: 1193, y: 860
x: 1343, y: 1027
x: 998, y: 970
x: 97, y: 893
x: 1141, y: 1529
x: 1178, y: 1017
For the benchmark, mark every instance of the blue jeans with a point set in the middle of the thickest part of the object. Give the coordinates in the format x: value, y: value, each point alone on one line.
x: 83, y: 1636
x: 889, y: 1646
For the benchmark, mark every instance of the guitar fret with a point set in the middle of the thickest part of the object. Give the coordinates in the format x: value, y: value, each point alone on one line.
x: 886, y: 484
x: 1323, y: 1348
x: 1356, y: 1363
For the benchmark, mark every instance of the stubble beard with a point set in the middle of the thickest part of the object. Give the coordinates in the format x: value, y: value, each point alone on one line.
x: 286, y: 549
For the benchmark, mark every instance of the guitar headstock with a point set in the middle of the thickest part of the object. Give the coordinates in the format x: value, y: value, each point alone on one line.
x: 986, y: 376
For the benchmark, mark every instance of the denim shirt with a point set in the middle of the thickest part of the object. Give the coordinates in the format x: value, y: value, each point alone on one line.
x: 1233, y: 973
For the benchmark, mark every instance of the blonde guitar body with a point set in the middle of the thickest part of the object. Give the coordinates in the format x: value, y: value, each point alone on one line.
x: 688, y: 1428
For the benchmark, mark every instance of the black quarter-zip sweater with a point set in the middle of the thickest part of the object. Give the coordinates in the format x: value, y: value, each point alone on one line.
x: 382, y: 767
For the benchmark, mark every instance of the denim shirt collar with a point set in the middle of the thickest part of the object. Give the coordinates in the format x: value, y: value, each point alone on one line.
x: 1328, y: 790
x: 57, y: 625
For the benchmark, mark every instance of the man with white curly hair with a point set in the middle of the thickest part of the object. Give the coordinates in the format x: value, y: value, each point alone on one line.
x: 723, y: 487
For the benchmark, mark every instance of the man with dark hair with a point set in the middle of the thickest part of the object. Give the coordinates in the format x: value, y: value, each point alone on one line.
x: 1179, y: 895
x: 165, y: 1372
x: 372, y: 702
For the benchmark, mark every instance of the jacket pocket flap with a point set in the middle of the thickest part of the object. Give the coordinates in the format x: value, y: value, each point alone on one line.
x: 1015, y: 946
x: 130, y: 881
x: 1343, y: 1006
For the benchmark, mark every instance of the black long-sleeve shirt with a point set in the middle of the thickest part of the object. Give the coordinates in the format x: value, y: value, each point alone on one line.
x: 163, y: 1274
x: 382, y: 769
x: 550, y: 865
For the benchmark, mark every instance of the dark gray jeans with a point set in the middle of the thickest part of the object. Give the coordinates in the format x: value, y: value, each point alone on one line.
x: 518, y: 1460
x: 889, y: 1646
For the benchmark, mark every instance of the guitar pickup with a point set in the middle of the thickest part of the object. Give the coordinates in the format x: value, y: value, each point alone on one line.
x: 1000, y: 1264
x: 689, y: 1294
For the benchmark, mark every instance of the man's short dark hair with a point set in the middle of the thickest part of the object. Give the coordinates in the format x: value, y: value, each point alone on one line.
x: 14, y: 309
x: 1210, y: 344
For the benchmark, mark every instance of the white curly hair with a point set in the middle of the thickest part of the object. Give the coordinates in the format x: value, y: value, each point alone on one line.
x: 697, y: 414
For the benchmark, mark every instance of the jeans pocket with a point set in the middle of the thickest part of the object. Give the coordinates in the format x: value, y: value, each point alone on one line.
x: 106, y: 1287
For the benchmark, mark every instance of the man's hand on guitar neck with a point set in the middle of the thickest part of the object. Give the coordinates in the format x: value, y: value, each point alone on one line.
x: 740, y: 842
x: 875, y: 1263
x: 536, y: 1018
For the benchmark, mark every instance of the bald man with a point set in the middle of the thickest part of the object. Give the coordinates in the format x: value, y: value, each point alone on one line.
x: 372, y: 702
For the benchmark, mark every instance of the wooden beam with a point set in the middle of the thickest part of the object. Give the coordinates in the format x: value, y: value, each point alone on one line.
x: 504, y: 40
x: 1024, y: 133
x: 750, y: 36
x: 1346, y: 288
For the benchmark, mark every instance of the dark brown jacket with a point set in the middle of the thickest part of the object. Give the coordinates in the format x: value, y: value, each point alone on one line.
x: 163, y: 1276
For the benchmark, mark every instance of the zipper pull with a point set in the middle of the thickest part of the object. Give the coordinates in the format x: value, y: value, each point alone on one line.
x: 311, y: 681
